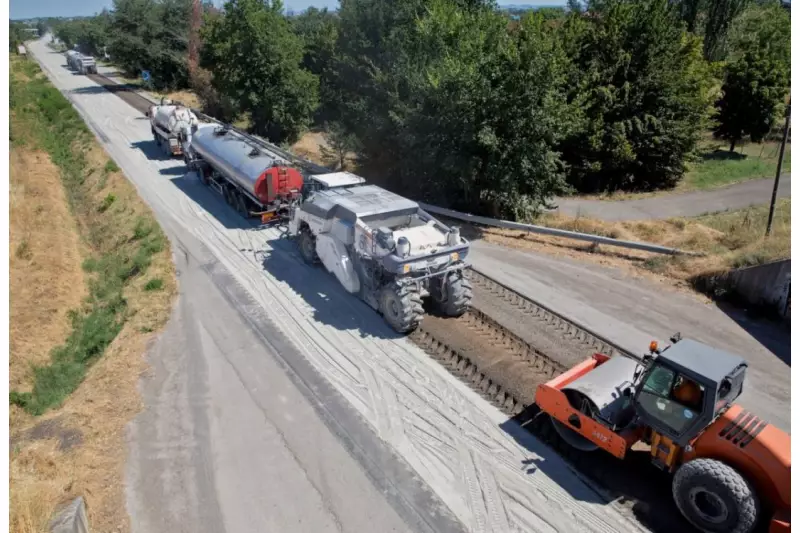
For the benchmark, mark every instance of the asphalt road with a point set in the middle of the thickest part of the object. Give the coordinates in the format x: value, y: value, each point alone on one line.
x: 277, y: 402
x: 632, y: 312
x: 687, y: 204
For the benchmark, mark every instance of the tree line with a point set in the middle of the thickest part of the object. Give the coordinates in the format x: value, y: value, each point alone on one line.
x: 461, y: 104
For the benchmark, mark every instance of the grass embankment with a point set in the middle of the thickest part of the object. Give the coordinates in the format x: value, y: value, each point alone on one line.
x: 730, y: 239
x: 91, y: 279
x: 719, y: 167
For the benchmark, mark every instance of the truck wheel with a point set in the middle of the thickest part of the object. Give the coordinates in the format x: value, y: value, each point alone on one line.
x: 452, y: 298
x: 202, y: 174
x: 714, y: 497
x: 240, y: 202
x: 308, y: 246
x: 401, y: 306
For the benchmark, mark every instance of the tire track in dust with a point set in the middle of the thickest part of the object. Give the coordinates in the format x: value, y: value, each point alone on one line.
x: 411, y: 402
x: 221, y: 242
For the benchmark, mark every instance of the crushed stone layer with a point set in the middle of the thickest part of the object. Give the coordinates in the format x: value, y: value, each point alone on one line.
x: 461, y: 446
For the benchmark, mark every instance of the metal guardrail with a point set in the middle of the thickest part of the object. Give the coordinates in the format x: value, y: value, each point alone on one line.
x: 312, y: 167
x: 597, y: 239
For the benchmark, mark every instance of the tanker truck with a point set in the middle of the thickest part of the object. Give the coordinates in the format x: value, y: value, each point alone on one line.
x: 251, y: 177
x: 171, y: 124
x: 81, y: 63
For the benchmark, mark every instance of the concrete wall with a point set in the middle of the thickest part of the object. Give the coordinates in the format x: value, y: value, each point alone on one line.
x: 766, y: 286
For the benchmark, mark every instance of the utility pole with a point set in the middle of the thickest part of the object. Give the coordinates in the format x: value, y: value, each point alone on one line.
x: 778, y: 171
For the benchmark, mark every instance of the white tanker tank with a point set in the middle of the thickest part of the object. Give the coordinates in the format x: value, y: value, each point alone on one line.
x: 251, y: 177
x: 171, y: 125
x: 83, y: 64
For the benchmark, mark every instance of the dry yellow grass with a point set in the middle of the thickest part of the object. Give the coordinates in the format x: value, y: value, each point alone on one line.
x: 728, y: 239
x: 314, y: 146
x: 188, y: 98
x: 45, y: 275
x: 44, y: 473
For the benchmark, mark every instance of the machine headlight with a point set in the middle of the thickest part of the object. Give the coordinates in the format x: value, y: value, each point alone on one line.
x: 403, y: 247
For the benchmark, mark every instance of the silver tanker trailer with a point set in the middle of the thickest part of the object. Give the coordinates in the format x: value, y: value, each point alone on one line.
x: 253, y: 179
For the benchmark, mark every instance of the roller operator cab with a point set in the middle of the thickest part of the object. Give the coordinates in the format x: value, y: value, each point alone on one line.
x: 731, y: 469
x: 383, y: 248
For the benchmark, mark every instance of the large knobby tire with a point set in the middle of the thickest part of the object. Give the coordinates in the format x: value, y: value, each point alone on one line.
x: 714, y: 497
x: 308, y: 246
x: 401, y: 306
x: 454, y: 297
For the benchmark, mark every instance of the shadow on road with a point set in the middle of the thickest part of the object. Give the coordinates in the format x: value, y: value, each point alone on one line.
x: 331, y: 303
x: 153, y: 152
x: 772, y: 335
x: 210, y: 201
x: 633, y: 484
x: 91, y: 89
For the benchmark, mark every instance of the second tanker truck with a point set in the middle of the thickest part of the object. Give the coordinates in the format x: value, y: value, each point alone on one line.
x: 251, y: 177
x: 171, y: 124
x: 81, y: 63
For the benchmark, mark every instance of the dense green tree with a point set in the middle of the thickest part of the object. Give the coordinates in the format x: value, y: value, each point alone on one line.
x: 151, y: 35
x: 318, y: 29
x: 450, y: 106
x: 690, y: 11
x: 255, y: 60
x: 719, y: 18
x: 644, y: 89
x: 757, y: 78
x: 765, y: 26
x: 16, y: 35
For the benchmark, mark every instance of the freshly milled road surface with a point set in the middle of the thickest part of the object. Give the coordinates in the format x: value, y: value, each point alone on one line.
x: 280, y: 403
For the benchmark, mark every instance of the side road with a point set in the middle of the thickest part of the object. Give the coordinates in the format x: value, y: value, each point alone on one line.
x: 687, y: 204
x: 632, y: 312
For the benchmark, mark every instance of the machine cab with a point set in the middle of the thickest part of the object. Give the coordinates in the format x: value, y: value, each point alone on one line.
x: 685, y: 387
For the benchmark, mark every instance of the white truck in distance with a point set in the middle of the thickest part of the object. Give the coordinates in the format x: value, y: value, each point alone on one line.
x: 382, y: 247
x: 81, y: 63
x: 171, y: 124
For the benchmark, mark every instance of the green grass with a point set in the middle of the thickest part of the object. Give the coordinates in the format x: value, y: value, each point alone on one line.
x: 42, y: 117
x: 155, y: 284
x: 110, y: 167
x: 719, y: 167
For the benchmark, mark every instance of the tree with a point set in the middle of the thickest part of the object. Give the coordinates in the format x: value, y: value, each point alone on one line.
x: 719, y: 18
x: 757, y: 78
x: 752, y: 95
x: 16, y: 35
x: 319, y: 31
x: 255, y: 60
x: 644, y: 89
x: 342, y: 143
x: 151, y: 35
x: 451, y: 107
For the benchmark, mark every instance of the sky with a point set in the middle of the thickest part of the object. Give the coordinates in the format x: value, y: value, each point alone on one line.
x: 24, y: 9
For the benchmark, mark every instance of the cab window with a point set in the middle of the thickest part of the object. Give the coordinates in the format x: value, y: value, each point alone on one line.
x: 673, y: 399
